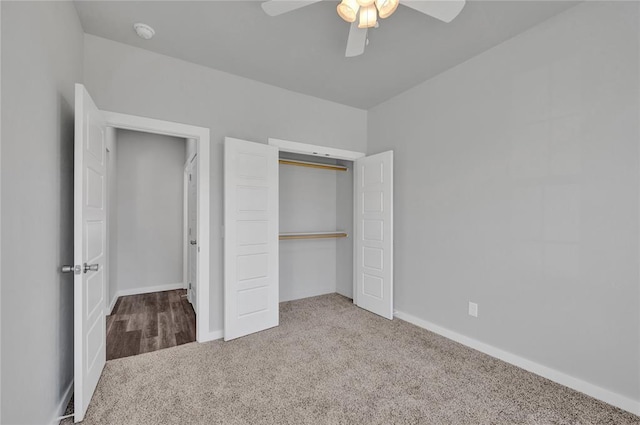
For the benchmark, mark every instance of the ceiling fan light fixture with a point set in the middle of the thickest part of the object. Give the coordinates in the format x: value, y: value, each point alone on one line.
x: 348, y: 10
x: 365, y: 3
x: 386, y: 7
x: 368, y: 17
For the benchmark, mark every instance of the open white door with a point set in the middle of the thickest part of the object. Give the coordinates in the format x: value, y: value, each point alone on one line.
x: 374, y: 234
x: 89, y: 238
x: 251, y: 282
x: 192, y: 223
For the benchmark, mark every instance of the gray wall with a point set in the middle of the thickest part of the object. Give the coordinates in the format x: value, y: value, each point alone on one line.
x: 516, y: 186
x: 41, y: 60
x: 149, y: 204
x: 134, y: 81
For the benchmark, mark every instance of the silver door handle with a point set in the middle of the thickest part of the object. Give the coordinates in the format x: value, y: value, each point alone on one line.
x: 91, y: 267
x: 193, y: 242
x: 70, y: 269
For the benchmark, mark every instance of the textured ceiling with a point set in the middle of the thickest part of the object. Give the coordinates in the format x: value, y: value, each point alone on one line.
x: 303, y: 50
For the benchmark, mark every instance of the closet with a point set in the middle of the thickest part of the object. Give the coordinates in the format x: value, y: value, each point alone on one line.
x: 316, y: 226
x: 303, y: 220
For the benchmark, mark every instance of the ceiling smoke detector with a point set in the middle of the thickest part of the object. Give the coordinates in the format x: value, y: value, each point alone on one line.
x: 144, y: 31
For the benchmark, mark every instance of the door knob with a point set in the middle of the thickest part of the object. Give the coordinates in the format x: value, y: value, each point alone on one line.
x: 91, y: 267
x: 70, y: 269
x: 193, y: 242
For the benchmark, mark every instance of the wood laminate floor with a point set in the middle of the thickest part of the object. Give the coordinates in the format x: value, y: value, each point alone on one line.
x: 149, y: 322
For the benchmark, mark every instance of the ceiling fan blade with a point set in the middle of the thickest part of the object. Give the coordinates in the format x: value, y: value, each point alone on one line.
x: 444, y: 10
x: 357, y: 41
x: 278, y: 7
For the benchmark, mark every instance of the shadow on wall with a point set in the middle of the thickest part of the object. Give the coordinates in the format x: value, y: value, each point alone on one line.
x: 66, y: 133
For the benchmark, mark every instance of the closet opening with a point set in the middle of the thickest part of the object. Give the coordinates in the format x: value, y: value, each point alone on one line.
x: 300, y: 221
x: 151, y: 267
x: 316, y: 226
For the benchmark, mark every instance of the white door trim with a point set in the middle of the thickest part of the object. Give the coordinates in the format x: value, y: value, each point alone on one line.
x: 185, y: 226
x: 314, y: 150
x: 201, y: 135
x: 185, y: 220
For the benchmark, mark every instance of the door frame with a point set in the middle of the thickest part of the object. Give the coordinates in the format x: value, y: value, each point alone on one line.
x: 185, y: 225
x: 188, y: 166
x: 203, y: 148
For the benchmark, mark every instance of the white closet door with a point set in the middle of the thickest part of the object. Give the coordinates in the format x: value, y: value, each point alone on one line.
x: 251, y: 282
x: 374, y: 234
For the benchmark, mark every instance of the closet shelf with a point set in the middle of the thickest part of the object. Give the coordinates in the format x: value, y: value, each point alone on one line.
x: 312, y: 235
x: 313, y: 165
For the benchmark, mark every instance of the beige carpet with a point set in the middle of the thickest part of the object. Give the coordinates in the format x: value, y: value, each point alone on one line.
x: 332, y: 363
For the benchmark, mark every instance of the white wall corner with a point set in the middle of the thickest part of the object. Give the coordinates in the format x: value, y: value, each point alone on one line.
x: 561, y: 378
x: 62, y: 405
x: 112, y: 304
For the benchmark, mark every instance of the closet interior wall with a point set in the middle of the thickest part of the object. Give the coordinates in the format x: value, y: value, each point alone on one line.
x: 344, y: 221
x: 315, y: 200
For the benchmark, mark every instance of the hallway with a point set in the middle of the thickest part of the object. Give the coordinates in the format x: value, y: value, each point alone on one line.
x: 149, y: 322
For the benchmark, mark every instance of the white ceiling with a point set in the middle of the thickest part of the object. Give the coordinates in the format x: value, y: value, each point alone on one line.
x: 303, y: 50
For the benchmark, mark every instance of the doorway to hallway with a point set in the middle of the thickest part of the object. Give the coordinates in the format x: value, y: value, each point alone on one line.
x: 148, y: 322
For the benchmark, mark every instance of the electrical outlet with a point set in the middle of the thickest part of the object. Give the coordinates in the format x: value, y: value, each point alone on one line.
x: 473, y: 309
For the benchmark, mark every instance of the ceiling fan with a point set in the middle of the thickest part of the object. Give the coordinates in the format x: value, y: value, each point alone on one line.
x: 363, y: 14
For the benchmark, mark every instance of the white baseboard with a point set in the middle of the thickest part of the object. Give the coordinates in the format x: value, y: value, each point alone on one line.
x: 62, y: 406
x: 112, y: 304
x: 211, y: 336
x: 143, y: 290
x: 148, y: 289
x: 561, y: 378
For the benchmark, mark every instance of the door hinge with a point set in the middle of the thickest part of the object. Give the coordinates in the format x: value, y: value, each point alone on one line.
x: 189, y: 177
x: 189, y: 285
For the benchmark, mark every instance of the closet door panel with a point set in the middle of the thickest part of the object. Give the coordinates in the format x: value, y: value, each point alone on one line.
x: 374, y: 234
x: 251, y: 283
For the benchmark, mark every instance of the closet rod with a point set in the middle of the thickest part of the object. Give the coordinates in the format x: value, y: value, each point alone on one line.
x: 316, y: 235
x: 313, y: 165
